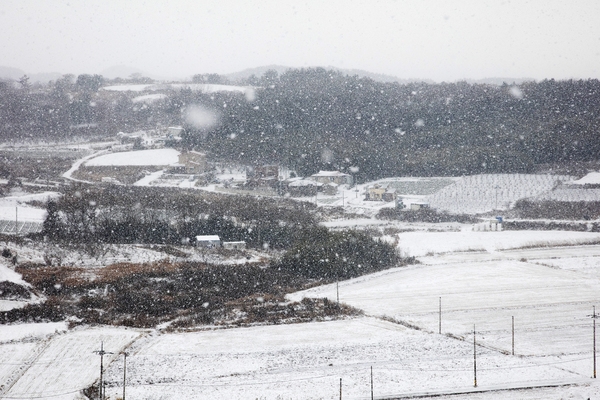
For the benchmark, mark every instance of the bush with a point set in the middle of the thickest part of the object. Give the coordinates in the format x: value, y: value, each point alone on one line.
x: 578, y: 210
x: 424, y: 215
x: 321, y: 254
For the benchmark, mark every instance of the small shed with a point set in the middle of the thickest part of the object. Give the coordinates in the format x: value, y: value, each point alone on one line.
x: 208, y: 241
x: 240, y: 245
x: 419, y: 206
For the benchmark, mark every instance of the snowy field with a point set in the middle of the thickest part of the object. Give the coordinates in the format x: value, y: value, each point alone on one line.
x: 482, y: 193
x: 549, y: 291
x: 422, y: 243
x: 56, y: 365
x: 307, y: 361
x: 140, y: 157
x: 197, y: 87
x: 550, y: 304
x: 13, y: 206
x: 546, y: 281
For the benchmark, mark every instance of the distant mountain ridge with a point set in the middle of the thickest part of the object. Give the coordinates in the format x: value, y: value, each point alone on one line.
x: 259, y: 71
x: 15, y: 74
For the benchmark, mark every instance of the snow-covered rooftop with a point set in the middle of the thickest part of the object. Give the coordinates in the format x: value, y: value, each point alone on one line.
x: 329, y: 173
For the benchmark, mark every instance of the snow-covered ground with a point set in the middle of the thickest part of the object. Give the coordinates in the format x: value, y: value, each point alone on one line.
x: 58, y: 365
x: 547, y: 281
x: 482, y: 193
x: 592, y: 178
x: 140, y: 157
x: 199, y: 87
x: 549, y: 291
x: 550, y: 304
x: 13, y: 206
x: 423, y: 243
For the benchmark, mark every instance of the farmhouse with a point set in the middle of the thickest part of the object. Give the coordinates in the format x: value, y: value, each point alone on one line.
x: 375, y: 193
x: 174, y: 132
x: 337, y: 177
x: 263, y: 175
x: 378, y: 193
x: 298, y: 187
x: 208, y: 241
x: 190, y: 162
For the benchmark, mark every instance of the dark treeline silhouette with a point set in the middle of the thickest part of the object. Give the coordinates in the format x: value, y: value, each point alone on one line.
x: 549, y: 209
x: 313, y: 119
x: 316, y: 119
x: 321, y: 254
x: 72, y: 107
x: 116, y: 214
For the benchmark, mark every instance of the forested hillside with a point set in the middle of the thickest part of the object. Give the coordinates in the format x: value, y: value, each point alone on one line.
x: 315, y: 119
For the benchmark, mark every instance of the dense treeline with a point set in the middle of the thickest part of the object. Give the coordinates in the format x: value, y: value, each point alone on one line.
x: 551, y: 209
x: 116, y: 214
x: 73, y: 107
x: 321, y: 254
x: 424, y: 215
x: 315, y: 119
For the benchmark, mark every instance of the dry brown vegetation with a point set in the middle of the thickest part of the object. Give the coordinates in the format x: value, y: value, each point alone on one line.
x: 185, y: 294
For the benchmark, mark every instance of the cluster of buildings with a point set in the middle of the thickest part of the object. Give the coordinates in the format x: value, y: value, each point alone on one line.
x: 214, y: 241
x: 268, y: 176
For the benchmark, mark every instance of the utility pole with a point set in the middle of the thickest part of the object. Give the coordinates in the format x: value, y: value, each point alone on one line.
x: 101, y: 353
x: 340, y: 388
x: 474, y: 358
x: 371, y: 382
x: 513, y: 335
x: 594, y: 316
x: 440, y: 317
x: 337, y: 291
x: 124, y: 372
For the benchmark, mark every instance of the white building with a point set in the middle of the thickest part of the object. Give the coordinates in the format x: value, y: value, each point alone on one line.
x: 208, y: 241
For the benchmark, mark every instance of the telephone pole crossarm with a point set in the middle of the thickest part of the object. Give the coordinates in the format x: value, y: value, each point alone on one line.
x: 101, y: 353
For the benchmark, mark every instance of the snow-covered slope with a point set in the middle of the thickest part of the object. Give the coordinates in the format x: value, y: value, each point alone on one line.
x: 481, y: 193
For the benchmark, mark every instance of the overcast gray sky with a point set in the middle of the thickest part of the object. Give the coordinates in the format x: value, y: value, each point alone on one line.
x: 440, y: 40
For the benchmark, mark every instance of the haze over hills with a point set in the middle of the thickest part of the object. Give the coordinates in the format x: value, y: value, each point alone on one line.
x: 125, y: 71
x: 280, y: 69
x: 16, y: 73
